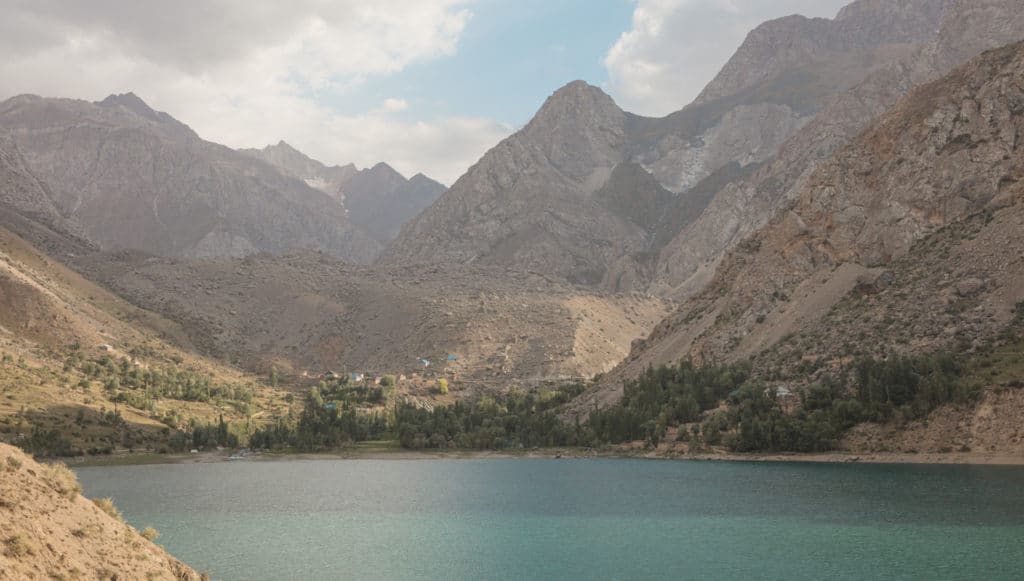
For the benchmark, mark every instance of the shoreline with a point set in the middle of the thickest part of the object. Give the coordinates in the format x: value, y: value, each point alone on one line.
x: 378, y: 452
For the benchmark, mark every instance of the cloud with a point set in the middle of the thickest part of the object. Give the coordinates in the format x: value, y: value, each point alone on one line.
x: 247, y: 73
x: 393, y: 105
x: 675, y: 47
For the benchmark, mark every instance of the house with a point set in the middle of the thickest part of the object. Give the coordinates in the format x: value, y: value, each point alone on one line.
x: 328, y: 375
x: 453, y: 358
x: 424, y: 363
x: 106, y: 347
x: 355, y: 376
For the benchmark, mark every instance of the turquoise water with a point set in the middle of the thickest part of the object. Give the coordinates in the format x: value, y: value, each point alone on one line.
x: 577, y: 519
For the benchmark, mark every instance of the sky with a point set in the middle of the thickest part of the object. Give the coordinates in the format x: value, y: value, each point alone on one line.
x: 425, y: 85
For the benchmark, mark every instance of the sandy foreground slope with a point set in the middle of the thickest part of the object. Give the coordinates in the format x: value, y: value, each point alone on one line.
x: 48, y: 530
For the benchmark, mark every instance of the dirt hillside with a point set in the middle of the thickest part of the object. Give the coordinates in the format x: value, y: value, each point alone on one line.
x: 309, y: 312
x: 48, y: 530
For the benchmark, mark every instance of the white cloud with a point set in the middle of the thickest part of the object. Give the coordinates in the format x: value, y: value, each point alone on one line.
x: 394, y: 105
x: 675, y: 47
x: 246, y: 73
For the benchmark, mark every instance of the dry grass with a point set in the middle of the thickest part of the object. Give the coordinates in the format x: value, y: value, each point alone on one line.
x: 18, y: 546
x: 64, y: 481
x: 150, y: 534
x: 107, y: 506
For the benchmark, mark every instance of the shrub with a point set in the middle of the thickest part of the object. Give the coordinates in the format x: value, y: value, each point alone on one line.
x: 107, y: 506
x: 13, y: 463
x: 150, y: 534
x: 64, y: 481
x: 18, y: 546
x: 442, y: 386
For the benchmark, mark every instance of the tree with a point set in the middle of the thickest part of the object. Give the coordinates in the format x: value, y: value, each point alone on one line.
x: 273, y: 377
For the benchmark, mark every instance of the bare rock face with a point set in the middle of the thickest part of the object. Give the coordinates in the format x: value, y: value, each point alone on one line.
x: 293, y: 163
x: 380, y: 200
x: 27, y: 206
x: 529, y: 203
x: 781, y: 45
x: 948, y: 152
x: 134, y: 178
x: 742, y: 207
x: 377, y: 199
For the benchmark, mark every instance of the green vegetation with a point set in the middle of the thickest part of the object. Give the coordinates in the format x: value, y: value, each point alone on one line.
x: 335, y: 413
x: 714, y: 405
x: 140, y: 386
x: 518, y: 419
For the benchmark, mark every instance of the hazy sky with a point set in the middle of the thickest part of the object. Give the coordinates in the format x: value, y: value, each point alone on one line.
x: 426, y: 85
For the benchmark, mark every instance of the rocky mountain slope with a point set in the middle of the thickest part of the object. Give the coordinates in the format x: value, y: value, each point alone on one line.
x: 132, y: 177
x: 905, y: 239
x: 308, y: 313
x: 27, y: 207
x: 293, y: 163
x: 48, y: 530
x: 531, y: 201
x: 743, y: 205
x: 379, y: 199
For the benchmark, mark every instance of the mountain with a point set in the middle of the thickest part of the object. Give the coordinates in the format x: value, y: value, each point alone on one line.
x: 293, y: 163
x: 381, y: 200
x: 27, y: 207
x: 530, y: 202
x: 133, y: 178
x: 907, y: 239
x: 741, y: 206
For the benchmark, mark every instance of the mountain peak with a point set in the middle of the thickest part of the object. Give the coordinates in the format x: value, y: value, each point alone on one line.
x: 577, y: 103
x: 132, y: 102
x: 579, y: 91
x: 382, y: 167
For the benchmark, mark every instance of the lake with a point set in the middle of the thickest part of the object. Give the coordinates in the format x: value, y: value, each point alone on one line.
x: 577, y: 519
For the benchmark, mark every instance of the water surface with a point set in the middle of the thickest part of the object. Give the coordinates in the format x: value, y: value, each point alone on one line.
x: 577, y: 519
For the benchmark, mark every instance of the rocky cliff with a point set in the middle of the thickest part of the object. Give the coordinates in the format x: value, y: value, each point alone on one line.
x: 381, y: 200
x: 907, y: 237
x: 135, y: 178
x: 293, y: 163
x: 530, y: 202
x: 686, y: 263
x: 378, y: 199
